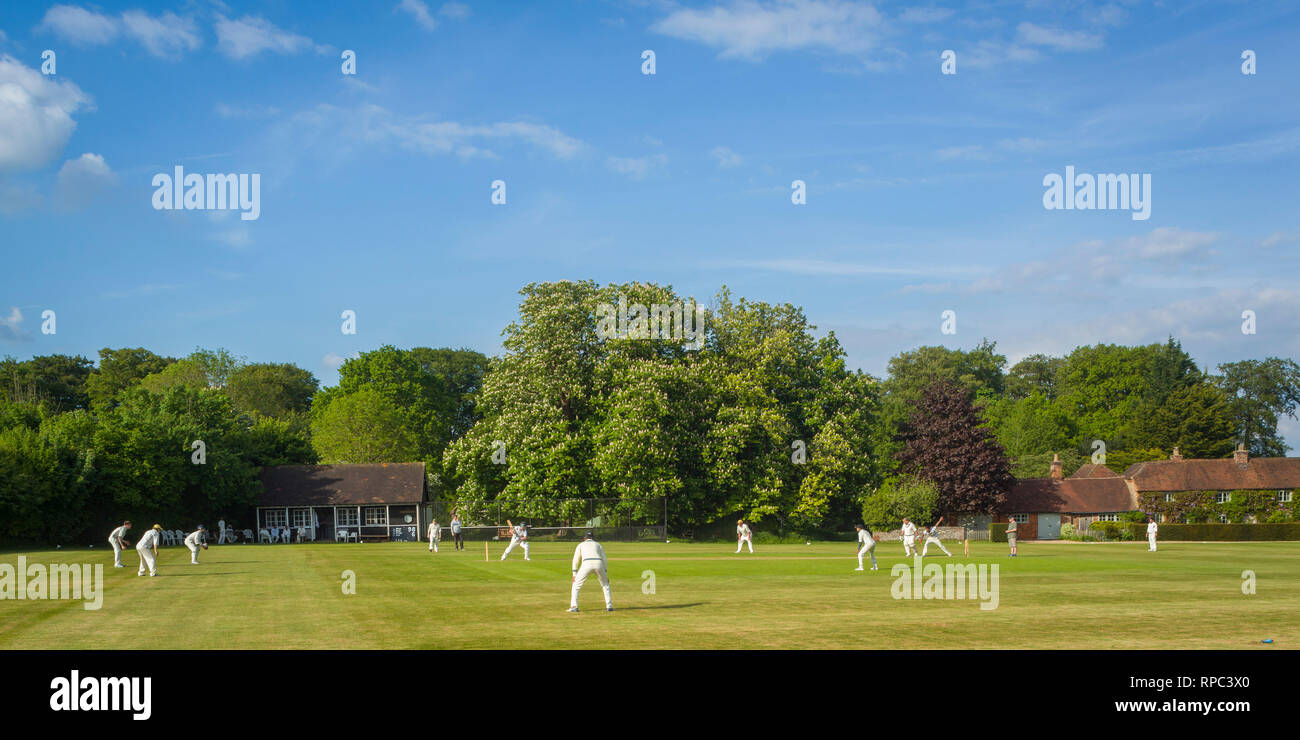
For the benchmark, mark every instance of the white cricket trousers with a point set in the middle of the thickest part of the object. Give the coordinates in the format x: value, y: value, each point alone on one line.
x: 909, y: 545
x: 1151, y: 539
x: 745, y: 541
x: 511, y: 546
x: 147, y: 558
x: 934, y: 541
x: 433, y: 544
x: 587, y: 568
x: 117, y: 551
x: 194, y: 553
x: 871, y: 549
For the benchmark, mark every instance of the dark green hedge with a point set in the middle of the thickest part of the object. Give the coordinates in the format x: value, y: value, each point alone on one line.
x: 998, y: 532
x: 1200, y: 532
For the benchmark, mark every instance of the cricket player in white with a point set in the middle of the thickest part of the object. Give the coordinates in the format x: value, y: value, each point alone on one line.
x: 435, y: 534
x: 744, y: 536
x: 588, y: 558
x: 194, y: 540
x: 147, y: 549
x: 518, y: 536
x: 117, y: 539
x: 867, y: 544
x: 909, y: 537
x: 223, y: 535
x: 1151, y: 534
x: 932, y: 537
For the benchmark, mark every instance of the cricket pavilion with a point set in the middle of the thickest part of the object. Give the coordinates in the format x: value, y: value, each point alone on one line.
x: 345, y: 503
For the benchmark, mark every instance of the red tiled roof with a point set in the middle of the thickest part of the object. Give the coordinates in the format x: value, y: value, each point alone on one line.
x: 335, y: 485
x: 1260, y: 473
x: 1070, y: 496
x: 1093, y: 470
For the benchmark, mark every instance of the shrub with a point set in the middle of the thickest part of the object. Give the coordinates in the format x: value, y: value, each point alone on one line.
x: 998, y: 532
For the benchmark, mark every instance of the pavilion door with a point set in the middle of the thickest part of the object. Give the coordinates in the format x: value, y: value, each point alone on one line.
x: 324, y: 523
x: 1049, y: 526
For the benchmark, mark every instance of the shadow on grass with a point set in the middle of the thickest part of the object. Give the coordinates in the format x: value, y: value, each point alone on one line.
x: 222, y: 573
x: 664, y: 606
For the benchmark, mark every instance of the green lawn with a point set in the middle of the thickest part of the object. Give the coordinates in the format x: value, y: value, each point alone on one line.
x: 1055, y: 595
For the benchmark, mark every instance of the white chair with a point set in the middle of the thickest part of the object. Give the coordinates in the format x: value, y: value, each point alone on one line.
x: 179, y: 535
x: 263, y: 536
x: 248, y: 536
x: 340, y: 535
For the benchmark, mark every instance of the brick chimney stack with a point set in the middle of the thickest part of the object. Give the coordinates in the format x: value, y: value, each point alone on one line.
x: 1175, y: 456
x: 1241, y: 457
x: 1058, y: 471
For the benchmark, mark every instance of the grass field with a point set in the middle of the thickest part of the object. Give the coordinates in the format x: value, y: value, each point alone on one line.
x: 1055, y: 595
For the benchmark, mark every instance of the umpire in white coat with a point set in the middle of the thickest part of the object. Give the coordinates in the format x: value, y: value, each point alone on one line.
x: 588, y: 558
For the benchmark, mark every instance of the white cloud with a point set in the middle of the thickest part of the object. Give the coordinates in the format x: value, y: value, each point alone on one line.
x: 973, y: 152
x: 459, y: 11
x: 246, y: 111
x: 925, y: 15
x: 333, y: 360
x: 444, y: 137
x: 418, y: 10
x: 1036, y: 35
x: 35, y: 115
x: 163, y: 36
x: 11, y: 326
x: 726, y: 158
x: 1276, y: 238
x: 83, y: 180
x: 636, y: 167
x: 252, y: 35
x: 1168, y: 242
x: 79, y: 26
x: 748, y: 29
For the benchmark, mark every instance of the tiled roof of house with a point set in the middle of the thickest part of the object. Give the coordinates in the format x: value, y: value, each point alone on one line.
x: 338, y: 485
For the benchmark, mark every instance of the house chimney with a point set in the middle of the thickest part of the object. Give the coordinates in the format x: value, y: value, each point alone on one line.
x: 1057, y: 469
x: 1175, y: 456
x: 1241, y: 457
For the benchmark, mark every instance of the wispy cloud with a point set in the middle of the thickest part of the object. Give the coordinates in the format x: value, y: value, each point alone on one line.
x: 11, y: 326
x: 1036, y: 35
x: 750, y: 30
x: 163, y: 35
x: 251, y: 35
x: 636, y: 167
x: 725, y: 157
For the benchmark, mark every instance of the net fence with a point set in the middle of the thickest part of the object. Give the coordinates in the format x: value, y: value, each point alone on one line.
x: 555, y: 519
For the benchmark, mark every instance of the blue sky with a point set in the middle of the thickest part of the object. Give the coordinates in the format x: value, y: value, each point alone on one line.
x: 924, y: 190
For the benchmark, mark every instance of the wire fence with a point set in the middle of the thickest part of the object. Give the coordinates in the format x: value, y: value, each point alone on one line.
x: 556, y: 519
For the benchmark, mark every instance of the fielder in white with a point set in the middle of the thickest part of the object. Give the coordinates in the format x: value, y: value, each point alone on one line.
x: 932, y: 538
x: 194, y: 540
x: 867, y: 544
x: 117, y: 540
x: 909, y: 537
x: 147, y: 549
x: 744, y: 536
x: 1152, y: 529
x: 518, y: 536
x: 435, y: 534
x: 588, y: 558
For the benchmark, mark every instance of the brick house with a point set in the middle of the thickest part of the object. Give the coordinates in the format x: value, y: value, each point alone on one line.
x: 1093, y: 492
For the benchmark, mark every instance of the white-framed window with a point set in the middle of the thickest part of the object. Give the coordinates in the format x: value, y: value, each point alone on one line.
x: 1222, y: 497
x: 273, y: 518
x: 1108, y: 517
x: 1223, y: 518
x: 376, y: 515
x: 1020, y: 518
x: 348, y: 518
x: 1284, y: 497
x: 1169, y: 498
x: 300, y: 517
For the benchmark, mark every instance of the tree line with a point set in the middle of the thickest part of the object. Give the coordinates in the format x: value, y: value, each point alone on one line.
x: 764, y: 419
